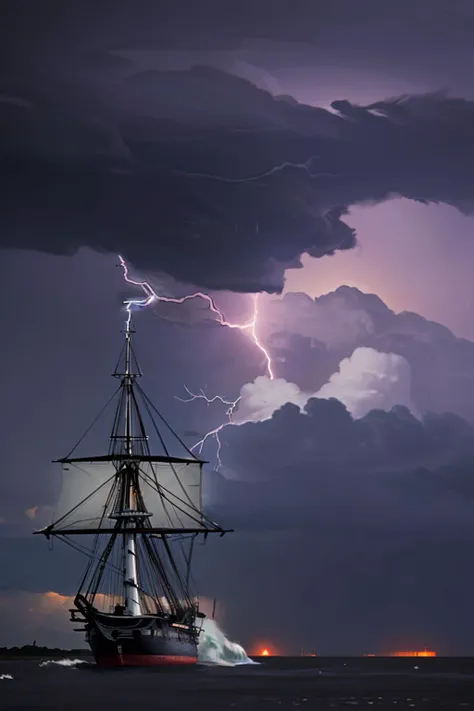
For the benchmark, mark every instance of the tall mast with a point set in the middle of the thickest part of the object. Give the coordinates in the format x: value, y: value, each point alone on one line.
x: 127, y: 384
x: 126, y: 517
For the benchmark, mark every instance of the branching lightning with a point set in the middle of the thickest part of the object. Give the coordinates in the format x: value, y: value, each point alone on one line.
x: 215, y: 432
x: 151, y: 297
x: 202, y: 396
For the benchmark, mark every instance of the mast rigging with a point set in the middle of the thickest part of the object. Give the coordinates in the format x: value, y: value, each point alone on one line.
x: 137, y: 504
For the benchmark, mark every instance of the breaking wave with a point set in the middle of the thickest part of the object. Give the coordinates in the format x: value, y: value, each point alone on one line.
x: 4, y: 677
x: 71, y: 663
x: 215, y: 648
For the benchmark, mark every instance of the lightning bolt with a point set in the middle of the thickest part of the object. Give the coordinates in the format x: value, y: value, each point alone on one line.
x: 306, y: 166
x: 215, y: 432
x: 250, y: 327
x: 202, y: 396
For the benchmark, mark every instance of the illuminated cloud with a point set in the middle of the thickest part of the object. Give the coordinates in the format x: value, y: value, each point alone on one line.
x: 41, y: 515
x: 308, y: 338
x: 367, y: 380
x: 260, y: 399
x: 340, y: 318
x: 31, y: 512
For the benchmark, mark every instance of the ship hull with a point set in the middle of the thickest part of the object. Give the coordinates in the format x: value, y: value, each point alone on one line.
x: 143, y: 660
x: 140, y: 642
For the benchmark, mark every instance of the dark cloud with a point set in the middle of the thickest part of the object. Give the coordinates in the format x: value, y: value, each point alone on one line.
x: 181, y: 24
x: 202, y: 175
x: 348, y: 520
x: 349, y: 464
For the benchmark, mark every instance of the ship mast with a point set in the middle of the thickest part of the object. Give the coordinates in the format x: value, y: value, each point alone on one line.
x: 127, y: 517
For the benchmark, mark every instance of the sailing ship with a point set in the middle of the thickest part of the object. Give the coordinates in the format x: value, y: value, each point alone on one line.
x: 144, y: 513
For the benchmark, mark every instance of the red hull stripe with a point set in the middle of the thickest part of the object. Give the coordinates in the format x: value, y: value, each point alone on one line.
x: 143, y: 660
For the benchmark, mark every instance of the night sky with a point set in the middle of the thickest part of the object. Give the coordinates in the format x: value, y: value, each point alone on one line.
x: 321, y: 155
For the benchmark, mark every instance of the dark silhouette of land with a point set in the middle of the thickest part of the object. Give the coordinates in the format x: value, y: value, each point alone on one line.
x: 32, y: 650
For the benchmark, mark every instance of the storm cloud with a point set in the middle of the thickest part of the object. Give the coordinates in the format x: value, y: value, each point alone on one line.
x: 363, y: 468
x: 204, y: 176
x: 369, y: 519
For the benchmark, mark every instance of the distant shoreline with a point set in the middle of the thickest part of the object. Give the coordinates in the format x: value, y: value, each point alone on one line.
x: 30, y: 651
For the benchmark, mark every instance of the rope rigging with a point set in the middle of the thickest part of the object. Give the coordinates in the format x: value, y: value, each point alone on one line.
x: 131, y: 563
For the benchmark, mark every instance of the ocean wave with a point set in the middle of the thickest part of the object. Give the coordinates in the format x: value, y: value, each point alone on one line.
x: 214, y: 648
x: 68, y: 663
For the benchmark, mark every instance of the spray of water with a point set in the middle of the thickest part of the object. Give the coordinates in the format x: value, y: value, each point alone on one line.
x: 215, y: 648
x: 68, y: 663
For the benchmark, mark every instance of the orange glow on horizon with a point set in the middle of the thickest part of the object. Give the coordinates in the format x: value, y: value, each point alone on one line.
x: 423, y: 653
x: 408, y: 653
x: 263, y: 648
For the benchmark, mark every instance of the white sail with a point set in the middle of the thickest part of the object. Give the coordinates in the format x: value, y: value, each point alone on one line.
x: 172, y: 493
x: 85, y: 490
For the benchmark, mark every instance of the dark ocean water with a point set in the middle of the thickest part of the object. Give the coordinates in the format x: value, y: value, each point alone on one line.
x: 278, y: 683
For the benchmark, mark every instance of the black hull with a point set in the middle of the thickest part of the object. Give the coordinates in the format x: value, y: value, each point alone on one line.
x: 140, y: 641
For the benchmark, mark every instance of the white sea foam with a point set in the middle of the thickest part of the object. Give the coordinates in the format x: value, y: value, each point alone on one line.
x: 4, y: 677
x: 215, y: 648
x: 69, y: 663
